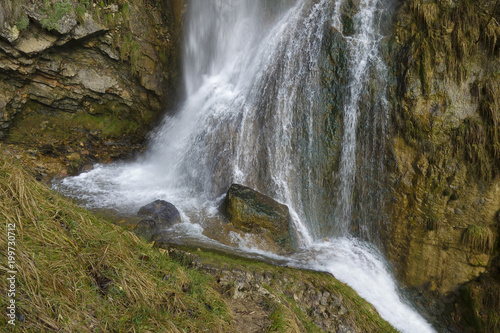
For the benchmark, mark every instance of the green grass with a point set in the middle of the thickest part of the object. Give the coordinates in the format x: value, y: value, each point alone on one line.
x: 62, y: 127
x: 54, y: 12
x: 22, y: 23
x: 287, y: 313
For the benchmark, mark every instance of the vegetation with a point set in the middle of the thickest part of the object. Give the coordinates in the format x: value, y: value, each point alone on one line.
x: 286, y: 311
x: 80, y: 13
x: 54, y: 12
x: 479, y: 238
x: 77, y: 273
x: 478, y: 308
x: 22, y: 23
x: 66, y: 128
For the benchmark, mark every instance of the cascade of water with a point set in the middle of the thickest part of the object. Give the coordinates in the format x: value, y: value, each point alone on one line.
x: 364, y: 65
x: 256, y: 114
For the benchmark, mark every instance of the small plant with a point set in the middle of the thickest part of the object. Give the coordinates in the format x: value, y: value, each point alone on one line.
x: 125, y: 11
x: 80, y: 13
x: 22, y: 23
x: 479, y: 238
x: 54, y: 13
x: 135, y: 55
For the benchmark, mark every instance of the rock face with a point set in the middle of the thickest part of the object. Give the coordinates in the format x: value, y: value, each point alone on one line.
x: 252, y: 212
x: 91, y: 79
x: 445, y: 161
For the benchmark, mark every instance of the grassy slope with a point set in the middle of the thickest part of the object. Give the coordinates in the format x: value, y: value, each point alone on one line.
x: 79, y: 273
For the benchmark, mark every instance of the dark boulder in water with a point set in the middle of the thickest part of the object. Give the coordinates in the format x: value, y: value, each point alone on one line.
x: 164, y: 213
x: 159, y: 215
x: 256, y: 213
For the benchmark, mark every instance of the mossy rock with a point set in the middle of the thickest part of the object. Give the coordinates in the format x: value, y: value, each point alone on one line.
x: 479, y: 238
x: 254, y: 212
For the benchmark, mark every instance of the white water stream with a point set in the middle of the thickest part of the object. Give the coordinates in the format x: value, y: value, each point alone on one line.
x: 253, y: 115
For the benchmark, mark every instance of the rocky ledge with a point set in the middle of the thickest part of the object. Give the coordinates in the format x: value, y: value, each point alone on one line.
x: 261, y: 296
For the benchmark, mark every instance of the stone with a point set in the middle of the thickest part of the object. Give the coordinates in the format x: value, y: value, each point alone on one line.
x: 164, y: 213
x: 35, y: 40
x: 254, y: 212
x: 66, y: 24
x: 10, y: 33
x: 95, y: 81
x: 146, y: 229
x: 88, y: 28
x: 73, y: 156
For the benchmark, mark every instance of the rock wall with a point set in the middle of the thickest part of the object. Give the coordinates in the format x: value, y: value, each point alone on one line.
x: 445, y: 154
x: 85, y: 80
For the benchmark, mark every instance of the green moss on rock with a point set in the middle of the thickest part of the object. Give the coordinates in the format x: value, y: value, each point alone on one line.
x: 254, y: 212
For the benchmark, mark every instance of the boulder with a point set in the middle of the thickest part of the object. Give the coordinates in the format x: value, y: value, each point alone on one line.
x: 253, y: 212
x: 146, y: 228
x: 158, y: 215
x: 162, y: 212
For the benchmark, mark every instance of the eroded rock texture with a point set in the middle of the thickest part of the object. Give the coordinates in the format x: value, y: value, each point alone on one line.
x: 85, y: 77
x: 445, y: 155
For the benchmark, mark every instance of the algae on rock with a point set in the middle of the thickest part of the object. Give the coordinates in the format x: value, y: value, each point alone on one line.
x: 253, y: 212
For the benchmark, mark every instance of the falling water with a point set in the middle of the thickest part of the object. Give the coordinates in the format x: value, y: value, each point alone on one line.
x: 364, y: 65
x: 268, y: 107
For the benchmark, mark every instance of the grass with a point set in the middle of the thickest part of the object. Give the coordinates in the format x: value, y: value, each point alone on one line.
x: 77, y: 273
x: 80, y: 13
x: 288, y: 314
x: 479, y: 238
x: 22, y: 23
x: 54, y: 12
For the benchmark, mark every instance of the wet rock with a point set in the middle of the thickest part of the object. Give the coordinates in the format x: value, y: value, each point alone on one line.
x: 254, y: 212
x: 162, y: 212
x: 146, y: 228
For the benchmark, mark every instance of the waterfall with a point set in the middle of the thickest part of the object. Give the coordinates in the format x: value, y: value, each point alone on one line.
x: 364, y: 65
x: 276, y: 92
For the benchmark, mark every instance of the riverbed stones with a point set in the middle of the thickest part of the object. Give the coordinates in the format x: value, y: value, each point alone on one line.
x: 253, y: 212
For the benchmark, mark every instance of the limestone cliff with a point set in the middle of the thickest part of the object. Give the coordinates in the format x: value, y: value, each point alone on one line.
x: 84, y: 80
x: 445, y: 155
